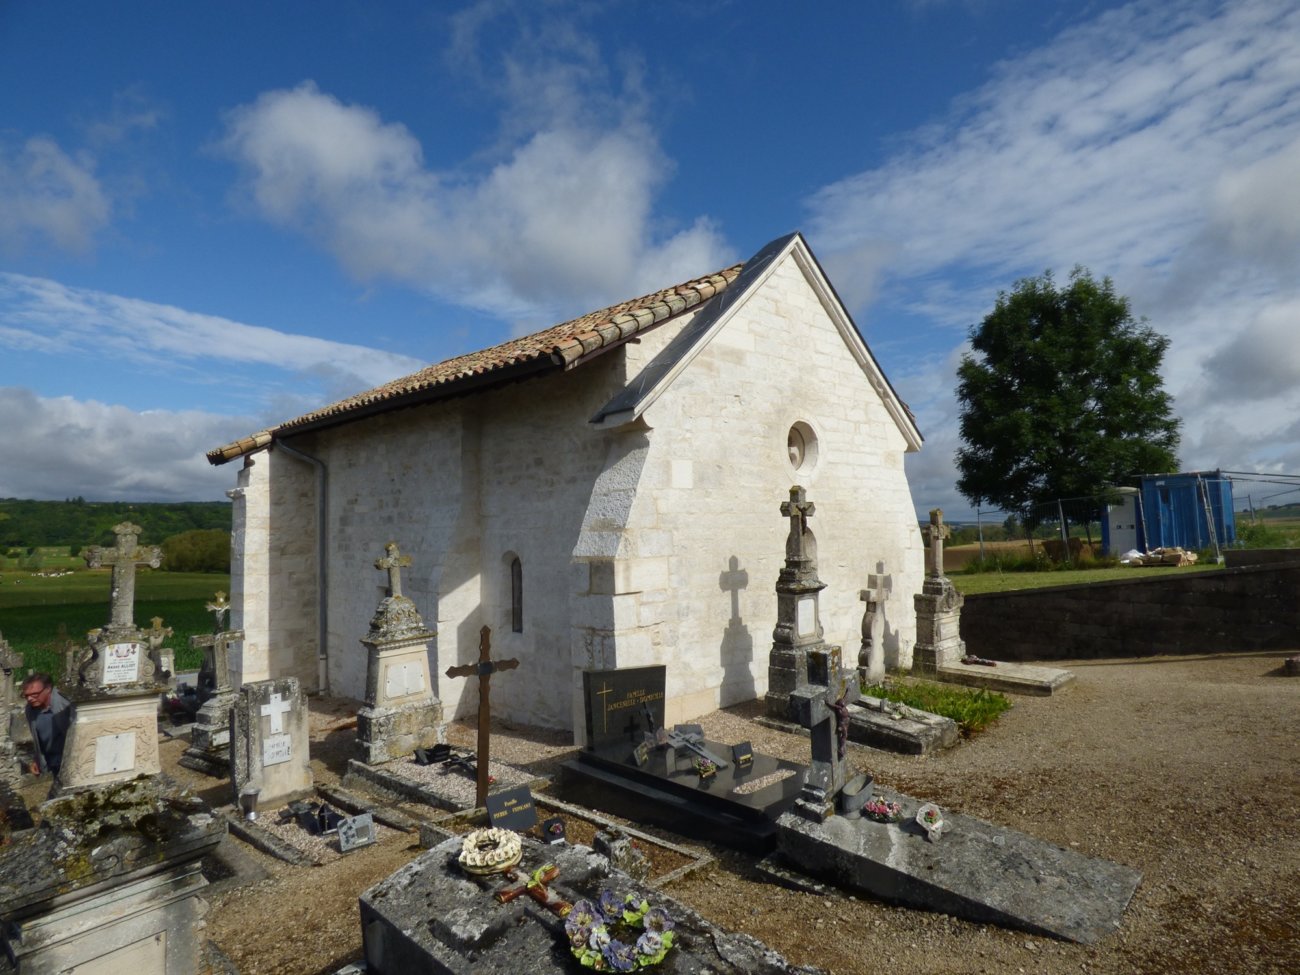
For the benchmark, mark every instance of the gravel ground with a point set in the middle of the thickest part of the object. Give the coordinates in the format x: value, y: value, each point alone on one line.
x: 1183, y: 767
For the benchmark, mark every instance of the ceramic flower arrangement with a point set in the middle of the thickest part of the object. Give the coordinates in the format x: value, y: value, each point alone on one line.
x: 705, y: 768
x: 491, y: 850
x: 618, y: 933
x: 930, y: 818
x: 882, y: 810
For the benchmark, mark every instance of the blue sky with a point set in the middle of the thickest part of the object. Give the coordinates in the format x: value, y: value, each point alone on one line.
x: 217, y: 216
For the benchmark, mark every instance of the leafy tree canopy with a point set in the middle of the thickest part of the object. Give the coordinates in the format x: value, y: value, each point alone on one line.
x: 1061, y: 396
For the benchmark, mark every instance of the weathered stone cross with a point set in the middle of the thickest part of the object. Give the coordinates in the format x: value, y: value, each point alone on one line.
x: 394, y: 562
x: 484, y: 670
x: 216, y: 645
x: 276, y: 709
x: 158, y: 634
x: 124, y: 558
x: 798, y: 509
x: 822, y: 704
x: 871, y: 658
x: 935, y: 533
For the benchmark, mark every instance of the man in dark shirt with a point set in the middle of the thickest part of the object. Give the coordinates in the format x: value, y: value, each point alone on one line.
x: 48, y: 715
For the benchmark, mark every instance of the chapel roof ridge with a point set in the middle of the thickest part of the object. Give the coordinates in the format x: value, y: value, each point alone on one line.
x: 561, y: 346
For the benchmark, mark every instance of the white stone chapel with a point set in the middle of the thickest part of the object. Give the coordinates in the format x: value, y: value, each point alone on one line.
x: 604, y: 493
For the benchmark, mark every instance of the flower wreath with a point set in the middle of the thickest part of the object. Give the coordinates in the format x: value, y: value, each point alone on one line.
x: 618, y: 934
x: 882, y: 810
x: 490, y: 850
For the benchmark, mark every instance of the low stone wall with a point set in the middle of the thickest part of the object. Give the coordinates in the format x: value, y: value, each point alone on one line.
x: 1254, y: 607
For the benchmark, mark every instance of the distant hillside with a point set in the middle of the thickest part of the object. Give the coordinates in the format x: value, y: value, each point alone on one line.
x: 77, y: 522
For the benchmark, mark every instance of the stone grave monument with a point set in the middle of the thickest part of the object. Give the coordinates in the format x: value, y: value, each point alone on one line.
x: 871, y: 657
x: 10, y: 663
x: 114, y: 730
x: 483, y: 670
x: 822, y: 702
x: 209, y: 749
x: 635, y: 767
x: 433, y: 915
x: 401, y: 712
x: 798, y: 620
x: 109, y: 882
x: 269, y: 742
x: 938, y: 608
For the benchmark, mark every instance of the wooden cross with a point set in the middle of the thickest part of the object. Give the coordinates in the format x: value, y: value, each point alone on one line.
x: 123, y: 558
x: 798, y: 509
x: 484, y: 670
x: 394, y: 562
x: 536, y: 888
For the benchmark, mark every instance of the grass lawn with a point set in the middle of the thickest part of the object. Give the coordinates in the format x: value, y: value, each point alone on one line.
x: 969, y: 585
x: 32, y: 609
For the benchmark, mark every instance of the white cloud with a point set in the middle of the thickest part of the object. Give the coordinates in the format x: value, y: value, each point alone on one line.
x: 49, y: 197
x: 64, y: 447
x: 561, y: 222
x: 48, y: 317
x: 1157, y: 145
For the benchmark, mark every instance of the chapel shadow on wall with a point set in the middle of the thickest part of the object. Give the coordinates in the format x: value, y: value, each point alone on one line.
x: 736, y: 649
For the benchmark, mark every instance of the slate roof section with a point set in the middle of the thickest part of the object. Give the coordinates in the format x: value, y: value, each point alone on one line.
x: 562, y: 346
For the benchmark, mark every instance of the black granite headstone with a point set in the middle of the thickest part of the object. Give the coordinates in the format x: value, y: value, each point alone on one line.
x: 621, y: 704
x: 512, y: 809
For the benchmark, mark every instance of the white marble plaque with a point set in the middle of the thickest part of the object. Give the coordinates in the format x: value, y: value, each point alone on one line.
x: 277, y: 749
x: 403, y: 679
x: 115, y: 753
x: 122, y: 663
x: 807, y: 620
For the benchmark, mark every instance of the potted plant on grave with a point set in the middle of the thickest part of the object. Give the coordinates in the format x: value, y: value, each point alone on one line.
x: 706, y: 768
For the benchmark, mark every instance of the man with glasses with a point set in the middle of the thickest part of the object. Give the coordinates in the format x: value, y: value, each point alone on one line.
x: 48, y: 715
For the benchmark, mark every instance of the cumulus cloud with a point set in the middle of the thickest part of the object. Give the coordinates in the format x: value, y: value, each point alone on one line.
x: 1156, y: 145
x: 45, y: 316
x: 48, y: 197
x: 64, y: 447
x: 556, y: 218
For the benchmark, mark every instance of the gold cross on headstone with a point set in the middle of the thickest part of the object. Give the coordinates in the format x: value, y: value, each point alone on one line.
x: 484, y: 670
x: 394, y: 562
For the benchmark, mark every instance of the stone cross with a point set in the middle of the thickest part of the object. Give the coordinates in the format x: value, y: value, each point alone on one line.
x: 798, y: 509
x: 10, y: 661
x: 124, y: 558
x: 871, y: 659
x: 216, y: 645
x: 394, y: 562
x: 935, y: 533
x: 275, y: 709
x: 822, y: 704
x: 484, y: 670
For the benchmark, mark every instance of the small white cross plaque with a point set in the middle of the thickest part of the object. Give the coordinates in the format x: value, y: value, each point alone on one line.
x: 275, y: 710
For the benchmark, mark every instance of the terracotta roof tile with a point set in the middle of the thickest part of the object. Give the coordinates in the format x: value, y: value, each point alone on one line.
x: 560, y: 346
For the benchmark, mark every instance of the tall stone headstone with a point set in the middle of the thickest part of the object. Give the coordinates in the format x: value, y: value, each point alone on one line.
x: 938, y: 608
x: 871, y: 658
x: 821, y: 702
x: 10, y: 662
x: 114, y: 732
x: 269, y: 738
x: 798, y: 620
x: 401, y: 712
x: 209, y: 749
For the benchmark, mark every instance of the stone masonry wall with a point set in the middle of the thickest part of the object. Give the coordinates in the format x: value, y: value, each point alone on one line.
x: 1241, y: 609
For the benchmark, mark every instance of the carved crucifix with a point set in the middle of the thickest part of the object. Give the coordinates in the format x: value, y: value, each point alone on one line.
x: 484, y: 670
x: 798, y: 509
x: 124, y: 557
x: 394, y: 562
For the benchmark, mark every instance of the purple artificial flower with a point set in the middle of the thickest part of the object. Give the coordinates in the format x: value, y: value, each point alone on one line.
x: 657, y: 920
x: 599, y: 939
x: 579, y: 934
x: 650, y: 943
x: 583, y: 914
x: 619, y: 956
x: 611, y: 905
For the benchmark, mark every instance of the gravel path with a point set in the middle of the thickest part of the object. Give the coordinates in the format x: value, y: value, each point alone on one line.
x: 1185, y: 768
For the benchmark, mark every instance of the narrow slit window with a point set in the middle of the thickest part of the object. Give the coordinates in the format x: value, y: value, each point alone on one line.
x: 516, y: 596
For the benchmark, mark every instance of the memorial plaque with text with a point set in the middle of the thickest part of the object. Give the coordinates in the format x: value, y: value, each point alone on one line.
x: 277, y: 749
x: 622, y: 705
x: 122, y: 663
x: 512, y: 809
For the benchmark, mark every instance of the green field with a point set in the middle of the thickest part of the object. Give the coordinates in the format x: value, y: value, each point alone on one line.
x: 969, y: 585
x: 33, y: 608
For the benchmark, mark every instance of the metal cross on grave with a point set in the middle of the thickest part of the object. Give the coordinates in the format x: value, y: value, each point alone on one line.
x: 123, y: 558
x: 798, y: 509
x: 394, y: 562
x: 484, y: 670
x: 216, y: 647
x: 935, y: 533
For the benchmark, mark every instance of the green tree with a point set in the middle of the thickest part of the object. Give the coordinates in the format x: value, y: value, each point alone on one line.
x: 1061, y: 396
x: 205, y: 550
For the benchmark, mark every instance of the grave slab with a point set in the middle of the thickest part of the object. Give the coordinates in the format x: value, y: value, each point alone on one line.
x: 430, y: 916
x: 1012, y: 678
x: 977, y: 871
x: 897, y: 728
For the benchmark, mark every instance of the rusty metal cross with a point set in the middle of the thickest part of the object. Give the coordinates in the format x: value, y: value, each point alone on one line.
x: 483, y: 670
